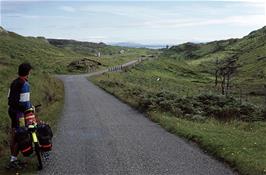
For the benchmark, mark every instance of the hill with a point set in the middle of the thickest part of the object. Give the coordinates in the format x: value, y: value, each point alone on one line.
x: 106, y: 55
x: 54, y: 55
x: 16, y: 48
x: 78, y: 46
x: 250, y: 52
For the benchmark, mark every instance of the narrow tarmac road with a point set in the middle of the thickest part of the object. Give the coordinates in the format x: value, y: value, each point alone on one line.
x: 98, y: 134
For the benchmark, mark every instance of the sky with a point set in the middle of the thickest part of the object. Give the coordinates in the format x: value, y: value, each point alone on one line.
x: 145, y: 22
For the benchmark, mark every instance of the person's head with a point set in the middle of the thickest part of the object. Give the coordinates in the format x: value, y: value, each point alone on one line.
x: 24, y: 69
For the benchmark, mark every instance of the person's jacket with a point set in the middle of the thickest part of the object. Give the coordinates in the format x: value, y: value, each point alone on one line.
x: 19, y: 95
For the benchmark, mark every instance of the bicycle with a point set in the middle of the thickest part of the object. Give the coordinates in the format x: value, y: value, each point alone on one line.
x: 32, y: 128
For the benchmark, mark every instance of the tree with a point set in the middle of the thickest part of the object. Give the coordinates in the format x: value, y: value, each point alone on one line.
x: 225, y: 70
x: 216, y: 71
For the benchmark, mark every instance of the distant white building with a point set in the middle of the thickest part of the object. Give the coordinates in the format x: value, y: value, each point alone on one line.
x: 98, y: 54
x: 122, y: 51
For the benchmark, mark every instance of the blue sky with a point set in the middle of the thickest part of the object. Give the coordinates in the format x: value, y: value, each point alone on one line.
x: 146, y: 22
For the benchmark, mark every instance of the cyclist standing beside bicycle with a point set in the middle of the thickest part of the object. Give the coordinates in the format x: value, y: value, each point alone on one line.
x: 19, y: 104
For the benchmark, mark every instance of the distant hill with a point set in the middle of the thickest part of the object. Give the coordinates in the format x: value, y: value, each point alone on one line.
x: 87, y: 48
x: 193, y: 51
x: 78, y: 46
x: 254, y: 40
x: 137, y: 45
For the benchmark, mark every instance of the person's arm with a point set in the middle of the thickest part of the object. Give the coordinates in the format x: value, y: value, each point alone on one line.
x: 26, y: 106
x: 24, y: 101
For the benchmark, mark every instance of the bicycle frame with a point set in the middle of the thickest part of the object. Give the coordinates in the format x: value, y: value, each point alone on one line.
x: 32, y: 129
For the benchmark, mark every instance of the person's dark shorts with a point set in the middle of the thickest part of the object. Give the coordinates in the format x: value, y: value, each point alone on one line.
x: 13, y: 114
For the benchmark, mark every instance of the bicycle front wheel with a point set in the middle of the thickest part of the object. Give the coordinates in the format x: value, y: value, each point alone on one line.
x: 38, y: 153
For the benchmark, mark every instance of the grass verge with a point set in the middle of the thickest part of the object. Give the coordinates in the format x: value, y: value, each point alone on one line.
x: 45, y: 90
x: 241, y: 144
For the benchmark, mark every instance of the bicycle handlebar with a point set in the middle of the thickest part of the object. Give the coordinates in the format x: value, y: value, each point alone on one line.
x: 38, y: 106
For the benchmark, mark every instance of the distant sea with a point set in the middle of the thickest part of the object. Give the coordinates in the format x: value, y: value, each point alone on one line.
x: 155, y: 47
x: 136, y: 45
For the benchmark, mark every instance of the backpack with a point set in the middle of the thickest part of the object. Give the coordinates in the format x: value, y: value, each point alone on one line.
x: 45, y: 134
x: 24, y: 141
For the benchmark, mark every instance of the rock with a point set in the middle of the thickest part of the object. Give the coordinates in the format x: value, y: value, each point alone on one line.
x: 261, y: 58
x: 98, y: 54
x: 198, y: 117
x: 84, y: 64
x: 2, y: 30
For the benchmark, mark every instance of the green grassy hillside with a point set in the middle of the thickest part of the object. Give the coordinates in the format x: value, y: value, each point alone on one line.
x: 16, y: 48
x: 45, y: 90
x: 178, y: 91
x: 55, y: 56
x: 105, y: 54
x: 250, y: 51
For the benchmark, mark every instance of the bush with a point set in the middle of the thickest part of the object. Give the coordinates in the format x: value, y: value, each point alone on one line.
x: 263, y: 114
x: 198, y: 107
x: 206, y: 105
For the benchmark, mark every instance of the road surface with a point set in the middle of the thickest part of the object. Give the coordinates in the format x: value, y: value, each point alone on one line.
x: 98, y: 134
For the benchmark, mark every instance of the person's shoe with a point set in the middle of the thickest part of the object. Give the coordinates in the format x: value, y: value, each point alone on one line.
x: 14, y: 165
x: 46, y: 156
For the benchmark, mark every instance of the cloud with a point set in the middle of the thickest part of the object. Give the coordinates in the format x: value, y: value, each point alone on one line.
x: 92, y: 38
x: 19, y: 15
x: 245, y: 20
x: 126, y: 10
x: 26, y: 16
x: 67, y: 8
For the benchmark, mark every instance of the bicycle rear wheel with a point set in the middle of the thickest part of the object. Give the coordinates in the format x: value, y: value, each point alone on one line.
x: 38, y: 153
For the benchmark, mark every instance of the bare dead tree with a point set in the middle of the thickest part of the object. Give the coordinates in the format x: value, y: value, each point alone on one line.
x: 231, y: 68
x: 216, y: 71
x: 225, y: 70
x: 223, y: 77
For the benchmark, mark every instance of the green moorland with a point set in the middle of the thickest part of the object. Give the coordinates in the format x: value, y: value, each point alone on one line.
x: 77, y: 57
x: 46, y: 59
x: 178, y: 91
x: 106, y: 55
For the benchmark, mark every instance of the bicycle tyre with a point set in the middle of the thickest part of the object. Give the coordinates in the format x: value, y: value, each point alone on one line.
x: 38, y: 154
